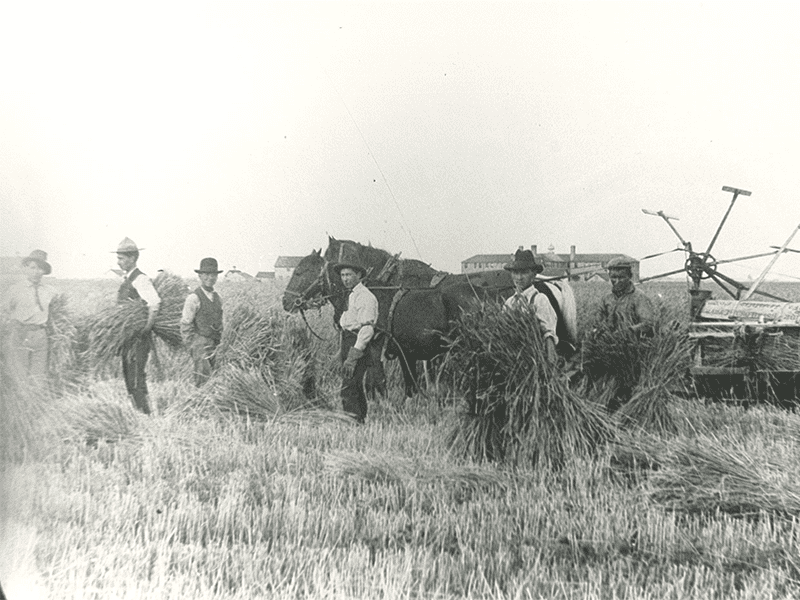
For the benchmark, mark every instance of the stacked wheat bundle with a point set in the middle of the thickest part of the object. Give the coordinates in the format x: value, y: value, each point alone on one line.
x: 645, y: 371
x: 265, y: 365
x: 112, y: 327
x: 62, y: 332
x: 708, y: 474
x: 520, y: 407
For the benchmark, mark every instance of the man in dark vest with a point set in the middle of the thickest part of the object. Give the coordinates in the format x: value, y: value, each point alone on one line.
x: 136, y: 287
x: 201, y: 321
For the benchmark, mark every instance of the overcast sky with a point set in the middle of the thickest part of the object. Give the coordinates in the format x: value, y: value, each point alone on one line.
x: 246, y: 131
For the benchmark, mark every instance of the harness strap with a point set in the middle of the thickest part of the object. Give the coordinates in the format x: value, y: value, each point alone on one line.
x: 390, y: 319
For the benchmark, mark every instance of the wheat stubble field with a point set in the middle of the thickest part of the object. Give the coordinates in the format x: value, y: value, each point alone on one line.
x: 248, y: 489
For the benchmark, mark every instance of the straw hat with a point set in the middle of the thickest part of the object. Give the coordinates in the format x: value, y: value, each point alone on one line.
x: 524, y: 261
x: 40, y: 258
x: 208, y: 265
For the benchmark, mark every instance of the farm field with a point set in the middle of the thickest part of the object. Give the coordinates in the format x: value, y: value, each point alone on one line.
x: 247, y: 488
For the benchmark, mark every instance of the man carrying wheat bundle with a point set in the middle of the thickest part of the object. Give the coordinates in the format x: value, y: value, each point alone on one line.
x: 625, y: 317
x: 524, y: 269
x: 136, y: 287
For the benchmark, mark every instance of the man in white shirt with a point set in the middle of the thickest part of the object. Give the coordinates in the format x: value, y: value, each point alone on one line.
x: 136, y: 287
x: 358, y: 328
x: 201, y: 321
x: 524, y: 269
x: 28, y: 309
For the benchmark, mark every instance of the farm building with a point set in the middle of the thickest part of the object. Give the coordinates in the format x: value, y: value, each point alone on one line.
x: 576, y: 266
x: 236, y: 275
x: 265, y: 275
x: 285, y: 266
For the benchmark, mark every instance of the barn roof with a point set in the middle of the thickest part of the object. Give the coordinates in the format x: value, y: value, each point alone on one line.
x: 489, y: 258
x: 288, y: 262
x: 584, y: 258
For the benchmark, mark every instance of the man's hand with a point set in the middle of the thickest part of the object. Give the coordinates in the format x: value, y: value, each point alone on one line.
x: 351, y: 360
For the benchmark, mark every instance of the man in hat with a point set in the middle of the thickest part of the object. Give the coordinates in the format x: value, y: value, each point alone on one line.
x: 201, y: 321
x: 136, y: 287
x: 625, y: 306
x: 28, y: 309
x: 629, y: 315
x: 524, y: 269
x: 358, y: 328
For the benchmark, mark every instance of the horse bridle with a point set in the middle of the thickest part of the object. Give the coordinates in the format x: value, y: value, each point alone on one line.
x: 323, y: 281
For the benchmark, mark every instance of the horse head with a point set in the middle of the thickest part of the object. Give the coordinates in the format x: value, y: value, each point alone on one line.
x: 306, y: 287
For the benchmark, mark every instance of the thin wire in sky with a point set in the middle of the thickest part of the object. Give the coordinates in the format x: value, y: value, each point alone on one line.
x: 385, y: 181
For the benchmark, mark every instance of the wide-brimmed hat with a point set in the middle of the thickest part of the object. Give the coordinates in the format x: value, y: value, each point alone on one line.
x: 620, y: 262
x: 40, y: 258
x: 208, y: 265
x: 349, y: 259
x: 524, y: 261
x: 127, y: 246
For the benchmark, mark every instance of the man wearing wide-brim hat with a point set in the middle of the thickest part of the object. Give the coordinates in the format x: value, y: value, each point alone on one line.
x: 358, y: 329
x: 201, y: 321
x: 524, y: 269
x: 28, y: 309
x: 136, y: 287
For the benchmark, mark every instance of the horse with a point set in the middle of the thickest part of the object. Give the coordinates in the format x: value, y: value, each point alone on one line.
x: 418, y: 306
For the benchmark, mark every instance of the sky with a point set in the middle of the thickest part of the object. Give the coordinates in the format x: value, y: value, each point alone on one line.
x: 250, y: 130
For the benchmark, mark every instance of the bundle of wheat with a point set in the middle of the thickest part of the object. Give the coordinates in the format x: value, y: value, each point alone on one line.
x: 637, y: 375
x: 113, y: 326
x: 267, y: 341
x: 664, y: 361
x: 394, y: 468
x: 520, y: 406
x: 62, y: 333
x: 703, y: 475
x: 250, y: 337
x: 91, y: 419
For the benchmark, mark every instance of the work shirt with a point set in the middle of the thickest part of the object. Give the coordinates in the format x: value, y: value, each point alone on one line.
x: 361, y: 315
x: 541, y: 305
x: 190, y: 308
x: 21, y: 304
x: 629, y: 307
x: 145, y: 288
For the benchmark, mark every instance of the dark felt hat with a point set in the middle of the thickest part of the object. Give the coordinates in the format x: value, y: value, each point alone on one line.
x: 40, y: 258
x: 208, y: 265
x: 349, y: 259
x: 524, y: 261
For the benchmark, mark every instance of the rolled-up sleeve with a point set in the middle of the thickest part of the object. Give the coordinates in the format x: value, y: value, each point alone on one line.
x: 147, y: 291
x: 190, y: 307
x: 368, y: 316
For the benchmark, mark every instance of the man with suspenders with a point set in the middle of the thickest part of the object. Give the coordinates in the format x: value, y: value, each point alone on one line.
x: 136, y: 287
x: 554, y: 304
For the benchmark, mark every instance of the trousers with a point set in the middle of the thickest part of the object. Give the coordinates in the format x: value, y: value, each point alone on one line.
x: 134, y: 363
x: 353, y: 399
x: 28, y: 348
x: 203, y: 351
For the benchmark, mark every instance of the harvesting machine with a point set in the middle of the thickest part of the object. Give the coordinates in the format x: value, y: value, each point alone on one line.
x: 741, y: 348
